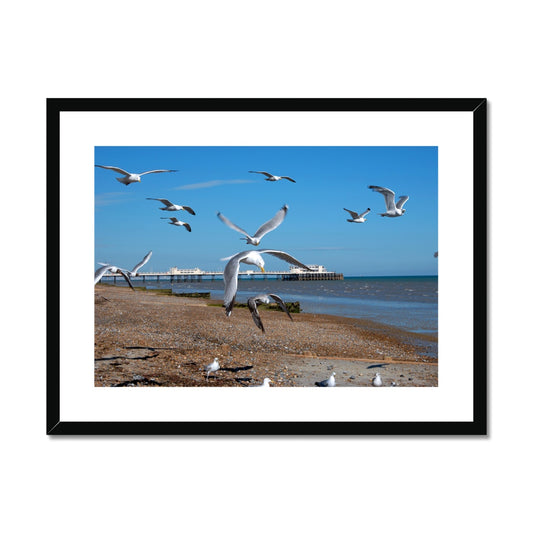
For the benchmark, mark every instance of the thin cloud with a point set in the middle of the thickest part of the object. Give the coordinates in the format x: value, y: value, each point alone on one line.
x: 108, y: 198
x: 212, y: 183
x: 324, y: 249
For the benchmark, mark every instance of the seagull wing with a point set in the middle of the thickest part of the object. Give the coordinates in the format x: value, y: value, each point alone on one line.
x: 252, y: 306
x: 126, y: 277
x: 287, y: 178
x: 231, y: 276
x: 353, y: 213
x: 163, y: 200
x: 145, y: 260
x: 187, y: 208
x: 366, y: 212
x: 116, y: 169
x: 285, y: 257
x: 262, y: 172
x: 402, y: 201
x: 100, y: 272
x: 273, y: 223
x: 155, y: 172
x: 230, y: 224
x: 187, y: 226
x: 387, y: 194
x: 281, y: 303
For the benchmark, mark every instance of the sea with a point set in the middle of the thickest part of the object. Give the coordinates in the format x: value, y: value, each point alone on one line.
x: 406, y: 302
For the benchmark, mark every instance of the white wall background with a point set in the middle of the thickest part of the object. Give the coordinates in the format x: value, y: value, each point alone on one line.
x: 263, y: 49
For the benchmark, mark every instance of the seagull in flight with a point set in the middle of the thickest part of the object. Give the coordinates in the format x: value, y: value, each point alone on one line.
x: 376, y: 380
x: 129, y: 177
x: 251, y: 257
x: 132, y: 273
x: 356, y: 217
x: 212, y: 367
x: 330, y: 382
x: 392, y: 209
x: 265, y: 299
x: 113, y: 269
x: 271, y: 224
x: 177, y: 222
x: 169, y: 206
x: 271, y: 177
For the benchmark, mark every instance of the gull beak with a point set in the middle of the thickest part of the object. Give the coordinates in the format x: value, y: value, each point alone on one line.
x: 262, y: 269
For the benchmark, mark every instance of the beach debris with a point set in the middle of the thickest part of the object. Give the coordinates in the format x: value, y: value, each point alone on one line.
x: 252, y: 257
x: 176, y: 222
x: 268, y: 226
x: 271, y: 177
x: 130, y: 177
x: 393, y: 384
x: 376, y: 380
x: 356, y: 217
x: 265, y: 299
x: 169, y: 206
x: 212, y: 367
x: 393, y: 210
x: 330, y: 382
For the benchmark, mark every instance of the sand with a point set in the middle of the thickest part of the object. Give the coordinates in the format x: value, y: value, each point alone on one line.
x: 143, y: 338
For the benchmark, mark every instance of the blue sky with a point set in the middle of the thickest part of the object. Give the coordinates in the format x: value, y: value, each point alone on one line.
x: 315, y: 231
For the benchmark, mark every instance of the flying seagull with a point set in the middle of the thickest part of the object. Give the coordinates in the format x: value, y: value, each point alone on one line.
x: 376, y: 380
x: 251, y: 257
x: 271, y: 224
x: 177, y: 222
x: 169, y: 206
x: 271, y: 177
x: 330, y: 382
x: 392, y: 210
x: 265, y: 299
x: 130, y: 177
x: 113, y: 269
x: 356, y: 217
x: 212, y: 367
x: 132, y: 273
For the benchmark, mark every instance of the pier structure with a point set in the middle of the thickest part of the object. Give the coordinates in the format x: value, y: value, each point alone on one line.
x: 317, y: 273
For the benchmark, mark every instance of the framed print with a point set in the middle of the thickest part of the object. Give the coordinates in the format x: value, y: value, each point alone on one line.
x: 330, y: 250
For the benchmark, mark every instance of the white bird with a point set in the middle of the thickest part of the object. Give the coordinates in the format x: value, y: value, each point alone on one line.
x: 392, y: 209
x: 271, y: 224
x: 264, y: 298
x: 145, y: 260
x: 271, y: 177
x: 265, y: 383
x: 169, y: 206
x: 131, y: 177
x: 377, y: 381
x: 114, y: 270
x: 177, y: 222
x: 356, y: 217
x: 212, y: 367
x: 250, y: 257
x: 330, y: 382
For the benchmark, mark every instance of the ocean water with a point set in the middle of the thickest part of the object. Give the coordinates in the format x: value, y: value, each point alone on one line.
x: 407, y: 302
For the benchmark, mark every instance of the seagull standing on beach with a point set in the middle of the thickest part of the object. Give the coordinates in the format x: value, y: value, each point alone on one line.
x: 271, y: 224
x: 330, y: 382
x: 265, y: 383
x: 376, y: 380
x: 114, y: 270
x: 356, y: 217
x: 392, y: 209
x: 132, y: 273
x: 271, y: 177
x: 130, y: 177
x: 251, y: 257
x: 265, y: 299
x: 212, y: 367
x: 177, y: 222
x: 169, y: 206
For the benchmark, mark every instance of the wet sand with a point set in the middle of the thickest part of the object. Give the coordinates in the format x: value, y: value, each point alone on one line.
x: 143, y: 338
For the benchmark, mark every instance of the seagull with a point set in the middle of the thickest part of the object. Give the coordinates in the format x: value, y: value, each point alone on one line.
x: 356, y: 217
x: 265, y: 383
x: 132, y: 273
x: 271, y: 177
x: 376, y: 381
x: 212, y: 367
x: 177, y: 222
x: 271, y: 224
x: 251, y: 257
x: 172, y: 207
x: 392, y: 210
x: 114, y: 270
x: 130, y: 177
x: 264, y: 298
x: 330, y: 382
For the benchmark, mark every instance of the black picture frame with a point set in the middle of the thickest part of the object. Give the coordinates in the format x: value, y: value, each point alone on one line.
x: 477, y: 426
